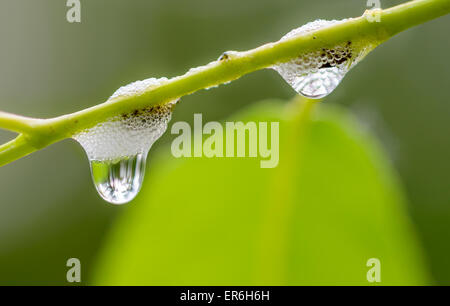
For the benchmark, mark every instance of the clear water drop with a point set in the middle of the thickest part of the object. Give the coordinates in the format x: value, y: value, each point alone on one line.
x: 119, y: 181
x: 317, y: 73
x: 117, y: 148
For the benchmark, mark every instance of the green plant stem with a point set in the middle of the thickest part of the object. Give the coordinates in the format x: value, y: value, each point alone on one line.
x: 39, y: 133
x: 16, y: 123
x: 16, y: 148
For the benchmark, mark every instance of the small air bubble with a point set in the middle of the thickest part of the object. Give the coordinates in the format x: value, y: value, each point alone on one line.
x: 227, y: 55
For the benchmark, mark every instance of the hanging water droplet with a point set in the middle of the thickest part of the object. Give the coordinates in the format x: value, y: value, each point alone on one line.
x: 117, y: 148
x: 119, y: 181
x: 317, y: 73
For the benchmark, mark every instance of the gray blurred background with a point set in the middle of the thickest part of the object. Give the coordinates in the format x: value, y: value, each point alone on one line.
x: 49, y: 209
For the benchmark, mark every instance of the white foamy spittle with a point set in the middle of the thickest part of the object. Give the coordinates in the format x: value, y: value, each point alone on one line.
x: 317, y: 73
x: 127, y: 134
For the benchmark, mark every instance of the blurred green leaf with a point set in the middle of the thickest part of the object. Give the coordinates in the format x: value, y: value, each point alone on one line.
x: 331, y: 204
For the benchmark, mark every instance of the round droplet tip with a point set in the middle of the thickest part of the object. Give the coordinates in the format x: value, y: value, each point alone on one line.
x: 119, y: 181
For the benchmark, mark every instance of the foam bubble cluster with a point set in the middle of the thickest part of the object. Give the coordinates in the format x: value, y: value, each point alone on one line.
x: 317, y: 73
x: 137, y: 88
x: 127, y: 134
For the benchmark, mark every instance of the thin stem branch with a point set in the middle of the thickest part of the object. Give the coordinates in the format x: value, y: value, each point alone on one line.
x: 39, y: 133
x: 16, y: 148
x: 16, y: 123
